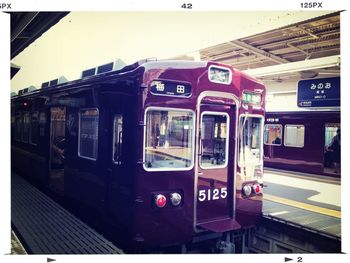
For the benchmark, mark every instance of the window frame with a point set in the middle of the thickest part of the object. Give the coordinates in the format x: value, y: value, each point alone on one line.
x: 327, y: 125
x: 282, y: 130
x: 18, y: 118
x: 79, y: 125
x: 284, y: 139
x: 216, y: 113
x: 223, y: 68
x: 192, y: 143
x: 23, y: 139
x: 113, y: 146
x: 261, y: 159
x: 30, y: 128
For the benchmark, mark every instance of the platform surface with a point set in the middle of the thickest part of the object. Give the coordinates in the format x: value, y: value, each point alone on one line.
x: 45, y: 227
x: 308, y: 202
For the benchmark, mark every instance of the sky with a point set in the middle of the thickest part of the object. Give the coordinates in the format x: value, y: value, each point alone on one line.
x: 86, y: 39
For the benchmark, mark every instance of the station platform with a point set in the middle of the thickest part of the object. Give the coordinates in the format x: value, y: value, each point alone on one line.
x: 305, y: 201
x: 16, y: 246
x: 45, y: 227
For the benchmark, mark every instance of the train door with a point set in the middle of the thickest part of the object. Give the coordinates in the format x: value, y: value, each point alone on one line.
x: 115, y: 161
x: 57, y: 147
x: 215, y: 170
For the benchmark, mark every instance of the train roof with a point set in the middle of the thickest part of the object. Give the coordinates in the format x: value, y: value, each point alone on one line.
x: 121, y: 72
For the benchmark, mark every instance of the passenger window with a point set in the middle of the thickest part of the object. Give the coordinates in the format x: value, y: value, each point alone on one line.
x: 42, y: 123
x: 330, y: 132
x: 18, y: 126
x: 214, y: 141
x: 88, y: 133
x: 34, y: 128
x: 26, y: 127
x: 117, y: 138
x: 250, y: 143
x: 273, y: 134
x: 169, y: 140
x: 13, y: 120
x: 294, y: 135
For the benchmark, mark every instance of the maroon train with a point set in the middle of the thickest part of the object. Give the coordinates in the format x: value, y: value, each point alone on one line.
x: 300, y: 141
x: 165, y: 150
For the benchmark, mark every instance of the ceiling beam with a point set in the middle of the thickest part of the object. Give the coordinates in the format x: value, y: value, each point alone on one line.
x: 258, y: 51
x: 23, y: 23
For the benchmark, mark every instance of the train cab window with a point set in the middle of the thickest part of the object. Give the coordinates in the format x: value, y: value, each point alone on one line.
x: 117, y: 138
x: 34, y: 128
x: 294, y: 135
x: 169, y: 139
x: 18, y: 126
x: 250, y: 143
x: 214, y: 141
x: 26, y: 127
x: 88, y: 133
x: 273, y: 134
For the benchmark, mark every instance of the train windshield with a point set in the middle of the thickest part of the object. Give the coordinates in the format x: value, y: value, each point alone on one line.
x: 250, y: 146
x: 169, y: 139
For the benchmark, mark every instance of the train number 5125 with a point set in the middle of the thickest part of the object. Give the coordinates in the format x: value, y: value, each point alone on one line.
x: 212, y: 194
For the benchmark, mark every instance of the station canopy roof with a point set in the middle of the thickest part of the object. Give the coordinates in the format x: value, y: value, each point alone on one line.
x: 26, y: 27
x: 318, y: 37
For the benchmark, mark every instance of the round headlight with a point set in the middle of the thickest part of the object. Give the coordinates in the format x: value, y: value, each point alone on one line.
x: 175, y: 199
x: 247, y: 190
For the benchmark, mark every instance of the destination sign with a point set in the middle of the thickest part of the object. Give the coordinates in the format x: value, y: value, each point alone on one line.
x: 169, y: 88
x: 323, y: 92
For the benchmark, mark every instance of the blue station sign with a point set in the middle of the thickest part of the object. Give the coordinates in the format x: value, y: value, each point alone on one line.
x: 323, y: 92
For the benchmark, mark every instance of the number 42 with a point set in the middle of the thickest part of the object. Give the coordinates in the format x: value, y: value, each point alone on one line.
x: 212, y: 194
x: 187, y: 6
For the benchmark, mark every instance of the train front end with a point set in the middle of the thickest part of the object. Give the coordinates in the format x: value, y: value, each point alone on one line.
x: 201, y: 146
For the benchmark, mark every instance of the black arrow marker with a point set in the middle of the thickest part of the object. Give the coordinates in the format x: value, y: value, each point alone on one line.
x: 50, y: 260
x: 287, y: 259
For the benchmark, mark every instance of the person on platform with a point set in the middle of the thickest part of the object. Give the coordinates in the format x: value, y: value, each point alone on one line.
x: 334, y: 148
x: 277, y: 140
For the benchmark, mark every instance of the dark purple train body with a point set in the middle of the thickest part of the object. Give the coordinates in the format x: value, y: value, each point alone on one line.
x: 301, y: 141
x: 165, y: 150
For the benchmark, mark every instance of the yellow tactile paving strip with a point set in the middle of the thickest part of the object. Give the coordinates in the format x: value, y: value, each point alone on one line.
x: 312, y: 208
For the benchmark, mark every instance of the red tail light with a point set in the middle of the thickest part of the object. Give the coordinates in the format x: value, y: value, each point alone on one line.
x: 257, y: 188
x: 160, y: 200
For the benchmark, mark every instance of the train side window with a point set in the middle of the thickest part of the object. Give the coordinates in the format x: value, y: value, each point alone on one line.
x: 294, y: 135
x: 169, y: 139
x: 117, y: 138
x: 214, y: 142
x: 88, y: 133
x: 330, y: 132
x: 13, y: 120
x: 18, y: 126
x: 42, y: 123
x: 26, y: 127
x: 273, y: 134
x: 34, y: 128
